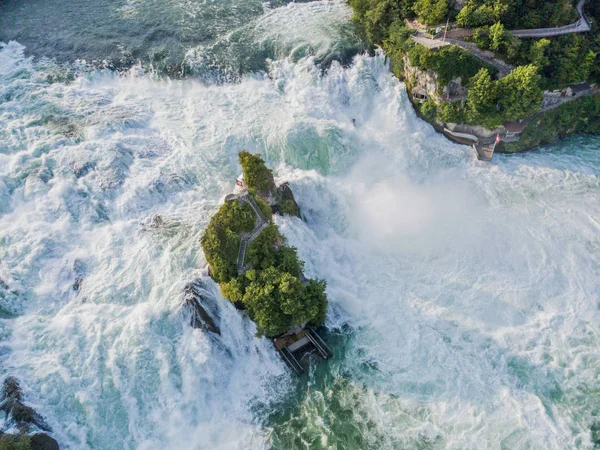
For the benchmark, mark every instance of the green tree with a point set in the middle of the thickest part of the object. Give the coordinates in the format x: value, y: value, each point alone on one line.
x: 429, y: 109
x: 481, y: 36
x: 273, y: 290
x: 257, y: 177
x: 497, y: 36
x: 520, y: 93
x: 537, y: 53
x: 376, y: 16
x: 278, y: 301
x: 481, y: 101
x: 431, y: 11
x: 589, y: 61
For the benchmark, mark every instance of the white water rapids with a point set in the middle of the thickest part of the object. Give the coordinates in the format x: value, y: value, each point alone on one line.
x: 464, y: 296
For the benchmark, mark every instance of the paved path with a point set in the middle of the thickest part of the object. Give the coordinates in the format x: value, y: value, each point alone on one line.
x: 581, y: 26
x: 428, y: 42
x: 487, y: 57
x: 261, y: 224
x: 552, y: 101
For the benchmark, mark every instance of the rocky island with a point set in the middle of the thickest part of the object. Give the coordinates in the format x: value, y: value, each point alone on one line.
x: 29, y: 428
x: 497, y: 75
x: 257, y: 271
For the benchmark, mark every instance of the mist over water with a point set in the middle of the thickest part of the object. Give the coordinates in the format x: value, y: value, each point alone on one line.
x: 463, y: 296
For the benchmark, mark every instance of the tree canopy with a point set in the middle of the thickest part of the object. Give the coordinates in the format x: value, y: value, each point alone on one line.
x: 273, y: 290
x: 431, y: 12
x: 520, y: 93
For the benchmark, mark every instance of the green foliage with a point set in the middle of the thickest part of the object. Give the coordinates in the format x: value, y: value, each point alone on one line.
x: 451, y: 112
x: 429, y: 109
x: 13, y: 442
x: 261, y: 251
x: 517, y: 13
x: 448, y: 62
x: 397, y: 43
x: 257, y: 178
x: 471, y: 15
x: 537, y: 53
x: 273, y: 291
x: 289, y: 207
x: 481, y: 36
x: 398, y: 38
x: 520, y: 95
x: 431, y: 11
x: 376, y: 16
x: 221, y: 239
x: 497, y: 37
x: 481, y: 101
x: 277, y: 300
x: 263, y: 206
x: 579, y: 116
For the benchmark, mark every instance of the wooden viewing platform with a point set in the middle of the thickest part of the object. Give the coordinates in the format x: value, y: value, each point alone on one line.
x: 293, y: 347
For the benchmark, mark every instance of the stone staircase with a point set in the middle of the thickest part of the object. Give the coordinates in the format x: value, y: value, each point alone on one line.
x: 261, y: 224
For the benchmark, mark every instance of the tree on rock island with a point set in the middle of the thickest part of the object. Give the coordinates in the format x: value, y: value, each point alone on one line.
x: 431, y: 12
x: 271, y: 288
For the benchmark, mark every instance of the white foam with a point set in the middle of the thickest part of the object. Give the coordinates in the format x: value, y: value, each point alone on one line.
x: 472, y: 288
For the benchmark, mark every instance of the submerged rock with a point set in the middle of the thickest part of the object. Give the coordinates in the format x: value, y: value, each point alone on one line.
x: 42, y: 441
x: 286, y: 203
x: 19, y: 414
x: 79, y: 270
x: 198, y: 302
x: 25, y: 419
x: 81, y: 169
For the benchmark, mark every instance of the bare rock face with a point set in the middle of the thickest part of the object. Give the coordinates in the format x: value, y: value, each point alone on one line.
x: 24, y: 418
x: 286, y: 203
x: 42, y: 441
x: 424, y: 82
x: 21, y: 415
x: 201, y: 307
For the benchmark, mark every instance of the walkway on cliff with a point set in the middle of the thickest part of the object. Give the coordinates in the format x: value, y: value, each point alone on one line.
x: 581, y: 26
x: 486, y: 56
x: 423, y: 38
x: 552, y: 101
x: 247, y: 238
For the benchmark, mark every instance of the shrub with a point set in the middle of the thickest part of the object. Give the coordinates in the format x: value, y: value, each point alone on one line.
x: 431, y: 11
x: 273, y: 291
x: 448, y: 62
x: 520, y: 95
x: 289, y: 207
x: 221, y: 239
x: 429, y: 109
x: 12, y: 442
x: 481, y: 101
x: 257, y: 177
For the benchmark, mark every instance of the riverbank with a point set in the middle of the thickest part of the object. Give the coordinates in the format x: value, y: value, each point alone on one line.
x: 485, y: 86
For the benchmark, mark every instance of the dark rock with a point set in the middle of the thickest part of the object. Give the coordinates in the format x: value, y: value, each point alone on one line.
x: 81, y: 170
x: 197, y: 300
x: 239, y: 306
x: 45, y: 174
x: 11, y: 390
x: 157, y: 221
x: 77, y: 284
x: 42, y: 441
x: 23, y: 416
x: 79, y: 269
x: 286, y: 203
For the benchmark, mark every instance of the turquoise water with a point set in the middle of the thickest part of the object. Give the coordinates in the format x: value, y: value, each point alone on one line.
x: 463, y: 296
